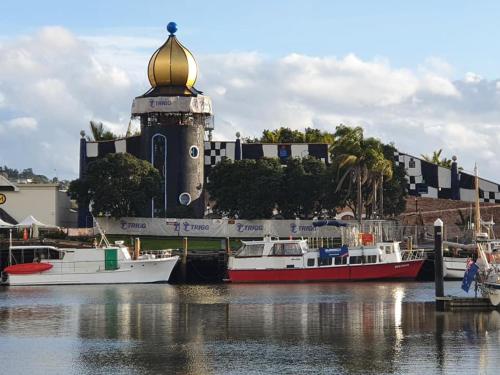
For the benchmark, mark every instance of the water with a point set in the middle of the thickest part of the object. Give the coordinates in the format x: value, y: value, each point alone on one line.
x: 327, y: 328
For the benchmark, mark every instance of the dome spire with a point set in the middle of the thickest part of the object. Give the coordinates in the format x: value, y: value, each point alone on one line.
x: 172, y: 64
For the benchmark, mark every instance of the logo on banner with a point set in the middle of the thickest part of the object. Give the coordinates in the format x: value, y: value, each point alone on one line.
x: 3, y: 198
x: 249, y: 227
x: 294, y: 228
x: 177, y: 225
x: 159, y: 102
x: 188, y: 227
x: 126, y: 225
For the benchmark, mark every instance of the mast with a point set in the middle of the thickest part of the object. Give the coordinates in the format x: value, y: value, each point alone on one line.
x: 477, y: 214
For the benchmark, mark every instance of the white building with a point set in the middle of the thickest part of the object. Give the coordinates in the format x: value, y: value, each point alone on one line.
x: 44, y: 201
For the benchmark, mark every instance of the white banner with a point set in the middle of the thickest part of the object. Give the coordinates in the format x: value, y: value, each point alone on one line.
x: 215, y: 228
x: 196, y: 104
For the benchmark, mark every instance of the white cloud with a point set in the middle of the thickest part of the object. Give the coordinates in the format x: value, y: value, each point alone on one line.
x: 471, y: 77
x: 23, y: 123
x: 60, y: 82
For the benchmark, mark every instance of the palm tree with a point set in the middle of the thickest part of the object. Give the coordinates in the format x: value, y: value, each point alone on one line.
x: 436, y: 159
x: 99, y: 133
x: 352, y: 158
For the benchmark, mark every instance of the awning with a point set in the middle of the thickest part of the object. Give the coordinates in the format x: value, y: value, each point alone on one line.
x: 29, y: 221
x: 329, y: 223
x: 4, y: 224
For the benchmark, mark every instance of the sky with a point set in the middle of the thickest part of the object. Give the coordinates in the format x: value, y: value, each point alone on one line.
x: 423, y: 75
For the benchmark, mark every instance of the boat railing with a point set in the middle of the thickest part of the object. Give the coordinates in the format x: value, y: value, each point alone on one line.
x: 155, y: 254
x: 413, y: 254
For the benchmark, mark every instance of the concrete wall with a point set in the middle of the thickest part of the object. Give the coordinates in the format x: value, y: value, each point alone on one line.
x: 44, y: 201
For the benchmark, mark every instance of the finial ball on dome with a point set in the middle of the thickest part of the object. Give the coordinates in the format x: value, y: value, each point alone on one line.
x: 172, y: 28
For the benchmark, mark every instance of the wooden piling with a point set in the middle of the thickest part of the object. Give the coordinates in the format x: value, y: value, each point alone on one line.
x: 183, y: 264
x: 137, y: 248
x: 438, y: 264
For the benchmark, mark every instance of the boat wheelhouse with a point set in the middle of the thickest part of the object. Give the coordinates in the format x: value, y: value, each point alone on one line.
x: 293, y: 261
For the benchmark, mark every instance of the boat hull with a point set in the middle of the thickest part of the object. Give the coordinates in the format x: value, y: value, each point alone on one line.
x: 378, y: 271
x: 130, y: 272
x: 492, y: 292
x: 454, y: 268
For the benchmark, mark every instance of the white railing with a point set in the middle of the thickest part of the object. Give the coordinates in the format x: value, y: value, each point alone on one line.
x: 412, y: 254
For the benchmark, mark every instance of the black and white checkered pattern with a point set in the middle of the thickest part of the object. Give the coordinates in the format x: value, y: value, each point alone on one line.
x: 430, y: 180
x: 214, y: 152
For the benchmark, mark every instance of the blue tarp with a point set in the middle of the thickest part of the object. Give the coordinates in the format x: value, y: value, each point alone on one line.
x: 333, y: 253
x: 330, y: 223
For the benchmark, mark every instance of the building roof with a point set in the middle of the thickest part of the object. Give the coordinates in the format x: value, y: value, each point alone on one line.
x: 6, y: 185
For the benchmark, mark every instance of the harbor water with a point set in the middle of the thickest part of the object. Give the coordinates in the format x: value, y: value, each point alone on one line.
x: 324, y: 328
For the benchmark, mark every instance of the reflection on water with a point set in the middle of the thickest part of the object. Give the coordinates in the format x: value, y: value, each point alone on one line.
x: 242, y: 329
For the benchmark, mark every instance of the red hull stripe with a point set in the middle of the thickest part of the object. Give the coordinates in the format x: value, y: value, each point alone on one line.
x: 27, y: 268
x: 402, y: 270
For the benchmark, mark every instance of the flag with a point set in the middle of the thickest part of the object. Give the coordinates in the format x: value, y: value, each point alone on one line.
x: 470, y: 273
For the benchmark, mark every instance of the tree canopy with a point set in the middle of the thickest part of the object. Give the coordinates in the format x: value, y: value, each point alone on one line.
x: 118, y: 185
x: 361, y: 176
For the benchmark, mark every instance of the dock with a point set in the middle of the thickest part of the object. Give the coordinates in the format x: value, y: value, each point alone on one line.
x: 451, y: 303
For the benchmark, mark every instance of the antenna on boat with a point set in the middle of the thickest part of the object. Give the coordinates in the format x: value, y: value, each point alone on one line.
x: 99, y: 229
x: 477, y: 216
x: 10, y: 247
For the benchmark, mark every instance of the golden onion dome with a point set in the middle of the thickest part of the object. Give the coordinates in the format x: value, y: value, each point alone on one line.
x: 172, y: 64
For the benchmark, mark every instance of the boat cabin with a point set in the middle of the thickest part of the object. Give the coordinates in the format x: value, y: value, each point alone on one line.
x: 270, y: 253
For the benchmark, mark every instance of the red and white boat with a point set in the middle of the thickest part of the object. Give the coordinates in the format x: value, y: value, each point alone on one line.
x: 292, y: 261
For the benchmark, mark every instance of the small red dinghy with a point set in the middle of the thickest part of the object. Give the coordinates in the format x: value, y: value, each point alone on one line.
x: 27, y: 268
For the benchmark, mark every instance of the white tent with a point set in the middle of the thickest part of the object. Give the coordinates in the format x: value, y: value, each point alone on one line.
x: 4, y: 224
x: 30, y: 221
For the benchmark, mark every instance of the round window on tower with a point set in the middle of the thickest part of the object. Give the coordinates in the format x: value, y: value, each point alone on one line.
x: 194, y: 151
x: 185, y: 199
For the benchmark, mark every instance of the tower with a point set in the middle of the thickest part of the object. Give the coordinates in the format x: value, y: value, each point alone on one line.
x: 174, y: 117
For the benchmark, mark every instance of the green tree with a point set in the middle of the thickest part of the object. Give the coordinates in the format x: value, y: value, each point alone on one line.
x: 303, y: 187
x: 118, y: 185
x: 99, y: 133
x: 436, y: 159
x: 395, y: 189
x: 247, y: 189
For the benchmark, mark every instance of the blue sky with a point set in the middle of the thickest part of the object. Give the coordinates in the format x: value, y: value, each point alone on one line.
x: 423, y: 75
x: 464, y: 33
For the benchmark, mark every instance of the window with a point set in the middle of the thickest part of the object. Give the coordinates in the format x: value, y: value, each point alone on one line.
x: 388, y: 249
x: 311, y: 262
x: 250, y: 251
x: 185, y: 199
x: 286, y: 249
x: 340, y: 260
x: 325, y: 261
x: 356, y: 260
x: 194, y: 151
x: 411, y: 163
x: 371, y: 259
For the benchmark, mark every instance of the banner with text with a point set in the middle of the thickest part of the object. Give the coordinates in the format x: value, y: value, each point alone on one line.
x: 215, y: 228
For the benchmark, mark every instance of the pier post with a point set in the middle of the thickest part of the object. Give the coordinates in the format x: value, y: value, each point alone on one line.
x: 184, y: 259
x: 438, y: 264
x: 228, y: 247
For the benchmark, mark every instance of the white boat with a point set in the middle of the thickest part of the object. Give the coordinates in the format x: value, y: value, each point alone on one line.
x: 454, y: 267
x: 111, y: 264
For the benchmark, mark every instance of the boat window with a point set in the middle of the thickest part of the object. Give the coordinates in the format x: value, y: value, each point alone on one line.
x: 388, y: 249
x: 340, y: 260
x: 54, y: 254
x: 355, y: 260
x: 286, y: 249
x: 325, y: 261
x: 253, y: 250
x: 371, y: 259
x: 310, y: 262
